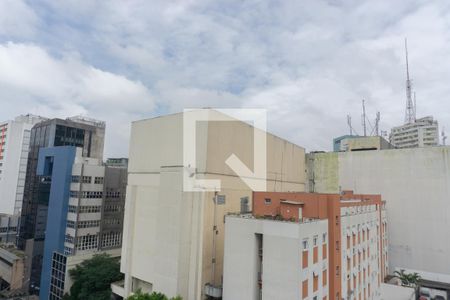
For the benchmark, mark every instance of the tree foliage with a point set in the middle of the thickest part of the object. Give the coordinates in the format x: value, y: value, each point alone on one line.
x: 139, y: 295
x: 93, y: 277
x: 411, y: 279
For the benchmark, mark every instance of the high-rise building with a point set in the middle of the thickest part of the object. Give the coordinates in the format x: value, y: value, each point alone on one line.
x: 14, y: 146
x: 306, y: 246
x: 79, y: 132
x: 173, y: 238
x: 422, y: 132
x: 85, y: 214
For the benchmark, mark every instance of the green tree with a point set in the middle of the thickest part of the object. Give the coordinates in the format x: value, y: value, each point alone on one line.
x: 139, y: 295
x: 93, y: 277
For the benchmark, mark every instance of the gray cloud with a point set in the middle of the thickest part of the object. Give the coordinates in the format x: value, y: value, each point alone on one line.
x: 308, y: 62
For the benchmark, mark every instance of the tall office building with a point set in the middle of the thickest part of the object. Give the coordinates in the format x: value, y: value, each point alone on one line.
x: 173, y: 239
x: 85, y: 214
x: 84, y: 133
x: 14, y: 146
x: 420, y: 133
x: 306, y: 246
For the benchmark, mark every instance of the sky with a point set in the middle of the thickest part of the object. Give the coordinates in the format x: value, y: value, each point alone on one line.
x: 308, y: 62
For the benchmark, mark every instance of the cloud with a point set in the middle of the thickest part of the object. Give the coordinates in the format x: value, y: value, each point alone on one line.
x: 37, y: 82
x: 310, y: 63
x: 17, y: 19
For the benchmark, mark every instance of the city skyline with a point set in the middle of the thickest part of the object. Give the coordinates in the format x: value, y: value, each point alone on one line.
x: 128, y: 62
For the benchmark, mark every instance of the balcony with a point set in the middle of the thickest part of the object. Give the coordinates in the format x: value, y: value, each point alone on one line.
x: 213, y: 291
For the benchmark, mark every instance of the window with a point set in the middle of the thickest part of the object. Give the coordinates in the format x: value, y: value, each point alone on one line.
x: 90, y: 209
x: 220, y: 199
x: 305, y: 289
x: 244, y: 205
x: 87, y: 242
x: 267, y: 201
x: 305, y: 244
x: 72, y: 209
x: 86, y: 179
x: 69, y: 239
x: 98, y: 180
x: 111, y: 239
x: 324, y: 238
x: 315, y: 240
x: 70, y: 224
x: 75, y: 179
x: 89, y: 224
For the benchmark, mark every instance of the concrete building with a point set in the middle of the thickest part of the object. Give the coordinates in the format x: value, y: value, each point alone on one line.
x: 85, y: 214
x: 306, y: 246
x: 11, y: 269
x: 77, y: 132
x: 414, y: 183
x: 173, y: 239
x: 360, y: 143
x: 14, y: 146
x: 423, y: 132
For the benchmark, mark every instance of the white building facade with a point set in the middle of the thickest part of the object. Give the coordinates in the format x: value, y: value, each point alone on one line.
x: 423, y: 132
x: 361, y: 260
x: 14, y: 146
x: 267, y: 259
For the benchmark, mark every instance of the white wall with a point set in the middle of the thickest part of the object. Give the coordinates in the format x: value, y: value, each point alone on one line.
x: 14, y: 167
x: 282, y: 274
x: 416, y: 186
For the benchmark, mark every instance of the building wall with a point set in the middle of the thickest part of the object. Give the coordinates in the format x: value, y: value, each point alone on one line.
x: 55, y: 162
x: 14, y: 146
x: 283, y: 271
x: 361, y: 248
x: 162, y: 221
x: 414, y: 183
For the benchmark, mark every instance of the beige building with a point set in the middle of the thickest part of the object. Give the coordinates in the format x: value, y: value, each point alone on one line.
x: 11, y: 269
x: 173, y: 240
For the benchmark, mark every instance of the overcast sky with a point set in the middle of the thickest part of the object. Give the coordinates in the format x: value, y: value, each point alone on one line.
x: 308, y: 62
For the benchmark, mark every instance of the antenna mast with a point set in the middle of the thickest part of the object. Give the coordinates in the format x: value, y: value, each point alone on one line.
x: 349, y: 122
x: 410, y: 114
x: 364, y: 118
x: 377, y: 123
x: 444, y: 137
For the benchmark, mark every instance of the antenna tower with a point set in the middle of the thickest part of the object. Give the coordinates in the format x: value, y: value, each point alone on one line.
x: 410, y: 113
x: 444, y: 137
x: 364, y: 117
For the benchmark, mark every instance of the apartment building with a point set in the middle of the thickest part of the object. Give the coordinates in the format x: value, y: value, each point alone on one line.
x: 14, y: 146
x: 414, y: 183
x: 87, y: 134
x: 85, y: 214
x: 173, y: 239
x: 422, y: 132
x: 306, y: 246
